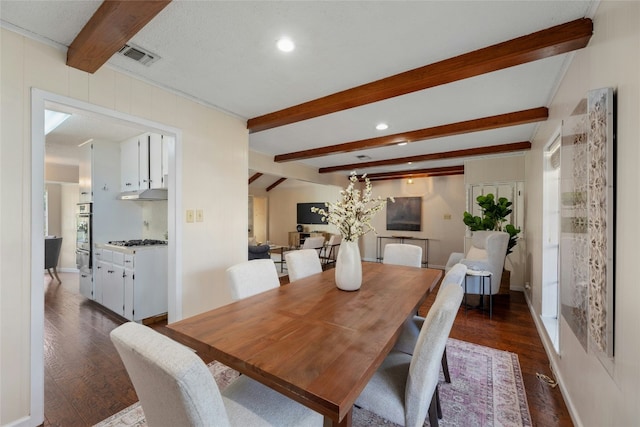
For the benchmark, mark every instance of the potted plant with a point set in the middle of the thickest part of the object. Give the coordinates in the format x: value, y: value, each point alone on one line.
x: 494, y: 216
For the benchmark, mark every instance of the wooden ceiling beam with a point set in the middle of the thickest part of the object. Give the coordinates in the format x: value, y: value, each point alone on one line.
x: 476, y: 125
x: 469, y: 152
x: 255, y: 176
x: 275, y: 184
x: 111, y: 27
x: 417, y: 173
x: 552, y: 41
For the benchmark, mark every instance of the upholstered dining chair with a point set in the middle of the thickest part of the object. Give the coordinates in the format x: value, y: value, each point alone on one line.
x: 316, y: 243
x: 402, y: 387
x: 52, y: 246
x: 406, y: 342
x: 402, y: 254
x: 302, y: 263
x: 176, y: 388
x: 329, y: 252
x: 252, y: 277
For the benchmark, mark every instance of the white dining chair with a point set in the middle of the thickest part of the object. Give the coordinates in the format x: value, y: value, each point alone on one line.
x: 302, y: 263
x: 402, y: 254
x: 176, y: 388
x: 252, y: 277
x: 406, y: 342
x: 402, y: 387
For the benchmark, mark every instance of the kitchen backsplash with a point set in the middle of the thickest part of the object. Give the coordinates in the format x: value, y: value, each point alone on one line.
x: 154, y: 217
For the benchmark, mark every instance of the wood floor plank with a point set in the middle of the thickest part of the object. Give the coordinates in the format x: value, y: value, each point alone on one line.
x: 85, y: 380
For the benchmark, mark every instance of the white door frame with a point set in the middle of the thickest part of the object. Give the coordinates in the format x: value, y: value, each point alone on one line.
x: 39, y: 99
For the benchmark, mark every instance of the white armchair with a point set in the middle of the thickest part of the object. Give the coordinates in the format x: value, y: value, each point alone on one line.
x: 488, y: 251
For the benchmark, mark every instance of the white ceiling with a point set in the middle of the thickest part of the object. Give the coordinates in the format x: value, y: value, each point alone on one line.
x: 223, y: 53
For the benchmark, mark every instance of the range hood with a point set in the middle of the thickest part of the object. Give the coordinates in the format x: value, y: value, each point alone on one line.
x: 149, y: 194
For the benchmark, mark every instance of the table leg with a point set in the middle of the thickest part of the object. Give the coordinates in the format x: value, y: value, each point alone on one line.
x: 347, y: 421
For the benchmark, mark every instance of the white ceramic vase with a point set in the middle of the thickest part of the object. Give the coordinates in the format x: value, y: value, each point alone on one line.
x: 348, y: 266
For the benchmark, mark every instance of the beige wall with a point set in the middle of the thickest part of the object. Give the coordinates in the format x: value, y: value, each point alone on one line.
x: 54, y: 172
x: 214, y: 159
x: 612, y: 59
x: 54, y: 209
x: 441, y: 197
x: 282, y: 207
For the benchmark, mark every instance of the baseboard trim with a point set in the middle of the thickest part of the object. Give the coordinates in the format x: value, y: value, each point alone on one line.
x: 551, y: 355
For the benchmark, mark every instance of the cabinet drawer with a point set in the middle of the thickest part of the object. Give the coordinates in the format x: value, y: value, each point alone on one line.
x: 118, y: 258
x: 128, y: 261
x: 104, y: 255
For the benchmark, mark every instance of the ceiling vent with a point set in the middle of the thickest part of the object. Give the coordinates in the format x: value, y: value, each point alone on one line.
x: 138, y: 54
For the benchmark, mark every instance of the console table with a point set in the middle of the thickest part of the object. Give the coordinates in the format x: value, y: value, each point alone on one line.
x: 422, y: 241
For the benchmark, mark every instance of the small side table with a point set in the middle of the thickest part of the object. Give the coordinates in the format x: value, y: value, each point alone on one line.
x: 483, y: 275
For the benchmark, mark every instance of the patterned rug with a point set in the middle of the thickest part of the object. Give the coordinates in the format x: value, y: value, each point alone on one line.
x: 486, y: 389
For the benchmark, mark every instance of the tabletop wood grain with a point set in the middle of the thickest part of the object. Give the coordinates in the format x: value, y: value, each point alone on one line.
x: 309, y: 340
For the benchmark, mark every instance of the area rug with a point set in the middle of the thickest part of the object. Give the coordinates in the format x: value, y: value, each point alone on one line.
x: 486, y: 389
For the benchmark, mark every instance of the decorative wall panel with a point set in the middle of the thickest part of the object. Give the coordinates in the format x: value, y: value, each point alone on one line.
x: 588, y: 224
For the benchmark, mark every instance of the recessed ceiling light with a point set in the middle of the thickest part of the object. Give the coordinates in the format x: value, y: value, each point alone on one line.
x: 382, y: 126
x: 285, y: 44
x: 409, y: 163
x: 402, y: 143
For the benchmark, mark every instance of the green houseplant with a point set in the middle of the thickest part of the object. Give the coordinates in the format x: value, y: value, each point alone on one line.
x: 494, y: 216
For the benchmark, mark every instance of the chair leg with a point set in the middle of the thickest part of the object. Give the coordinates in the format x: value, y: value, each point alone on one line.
x: 438, y: 407
x: 49, y: 271
x: 55, y: 273
x: 433, y: 410
x: 445, y: 366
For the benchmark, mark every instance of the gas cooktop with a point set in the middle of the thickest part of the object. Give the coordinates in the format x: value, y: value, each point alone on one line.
x: 138, y: 242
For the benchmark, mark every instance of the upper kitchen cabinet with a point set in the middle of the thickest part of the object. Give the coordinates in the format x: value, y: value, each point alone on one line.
x: 84, y: 174
x: 144, y: 162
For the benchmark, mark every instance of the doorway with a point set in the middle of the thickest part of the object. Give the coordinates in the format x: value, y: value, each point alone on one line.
x: 41, y: 100
x: 551, y: 239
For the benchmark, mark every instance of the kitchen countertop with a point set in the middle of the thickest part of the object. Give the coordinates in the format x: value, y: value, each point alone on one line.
x: 127, y: 249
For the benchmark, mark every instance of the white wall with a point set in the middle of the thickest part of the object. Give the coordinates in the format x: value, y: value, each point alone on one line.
x: 612, y: 59
x: 214, y: 157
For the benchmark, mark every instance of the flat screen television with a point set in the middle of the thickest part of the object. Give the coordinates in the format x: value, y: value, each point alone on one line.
x: 305, y: 216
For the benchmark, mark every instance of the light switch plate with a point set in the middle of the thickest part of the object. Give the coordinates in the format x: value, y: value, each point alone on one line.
x: 189, y: 215
x: 199, y: 215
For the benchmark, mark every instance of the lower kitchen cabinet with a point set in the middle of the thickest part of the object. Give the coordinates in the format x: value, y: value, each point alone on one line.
x: 132, y: 282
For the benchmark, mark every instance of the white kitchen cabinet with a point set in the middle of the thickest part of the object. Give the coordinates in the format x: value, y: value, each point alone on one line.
x: 84, y: 174
x: 113, y: 288
x: 129, y: 165
x: 133, y: 281
x: 86, y: 284
x: 155, y: 161
x: 142, y: 163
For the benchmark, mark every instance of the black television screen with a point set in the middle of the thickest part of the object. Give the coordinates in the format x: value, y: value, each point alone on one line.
x: 305, y: 216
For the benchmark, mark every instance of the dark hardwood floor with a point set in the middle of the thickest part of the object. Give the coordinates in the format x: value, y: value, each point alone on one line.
x: 85, y: 381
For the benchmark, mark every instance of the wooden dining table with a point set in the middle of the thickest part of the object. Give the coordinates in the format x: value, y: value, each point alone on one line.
x: 309, y: 340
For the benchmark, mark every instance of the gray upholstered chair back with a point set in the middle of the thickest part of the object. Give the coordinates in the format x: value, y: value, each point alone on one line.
x: 302, y: 263
x: 174, y: 386
x: 52, y: 247
x: 252, y: 277
x: 402, y: 254
x: 424, y: 369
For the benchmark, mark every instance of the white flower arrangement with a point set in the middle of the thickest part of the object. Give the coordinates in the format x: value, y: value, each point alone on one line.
x: 352, y: 215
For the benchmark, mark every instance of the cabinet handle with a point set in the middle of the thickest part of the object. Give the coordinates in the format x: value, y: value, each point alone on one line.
x: 84, y: 192
x: 127, y: 184
x: 98, y: 267
x: 128, y: 261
